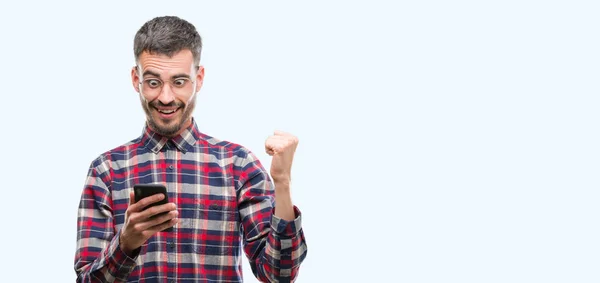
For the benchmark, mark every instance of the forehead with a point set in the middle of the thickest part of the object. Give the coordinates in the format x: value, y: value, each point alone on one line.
x: 180, y: 62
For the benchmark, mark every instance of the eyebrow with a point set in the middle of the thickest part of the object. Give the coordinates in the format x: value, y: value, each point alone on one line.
x: 176, y: 76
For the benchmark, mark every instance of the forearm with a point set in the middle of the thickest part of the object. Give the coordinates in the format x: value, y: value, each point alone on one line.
x: 109, y: 264
x: 273, y: 237
x: 284, y: 251
x: 284, y: 208
x: 276, y: 246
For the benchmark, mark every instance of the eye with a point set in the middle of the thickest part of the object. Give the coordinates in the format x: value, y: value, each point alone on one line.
x: 153, y: 83
x: 180, y: 82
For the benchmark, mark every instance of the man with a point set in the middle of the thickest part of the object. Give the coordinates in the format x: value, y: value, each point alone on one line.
x: 221, y: 197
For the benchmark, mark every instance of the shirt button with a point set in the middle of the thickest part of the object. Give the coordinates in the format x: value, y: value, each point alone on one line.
x: 170, y: 167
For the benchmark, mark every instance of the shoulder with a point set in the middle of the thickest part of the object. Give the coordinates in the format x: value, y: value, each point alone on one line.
x: 104, y: 160
x: 224, y: 147
x: 231, y: 154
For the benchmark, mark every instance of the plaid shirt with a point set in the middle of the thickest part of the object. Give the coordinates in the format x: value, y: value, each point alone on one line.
x: 225, y: 200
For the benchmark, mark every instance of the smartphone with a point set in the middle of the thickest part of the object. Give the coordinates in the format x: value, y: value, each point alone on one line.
x: 145, y: 190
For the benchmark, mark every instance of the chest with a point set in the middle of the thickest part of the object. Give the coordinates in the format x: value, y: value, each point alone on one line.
x: 201, y: 185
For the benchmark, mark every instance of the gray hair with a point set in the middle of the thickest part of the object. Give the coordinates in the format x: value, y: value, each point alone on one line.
x: 167, y: 35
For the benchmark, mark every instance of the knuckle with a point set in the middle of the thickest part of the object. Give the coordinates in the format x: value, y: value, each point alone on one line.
x: 156, y: 221
x: 165, y: 217
x: 133, y: 218
x: 153, y: 210
x: 142, y: 203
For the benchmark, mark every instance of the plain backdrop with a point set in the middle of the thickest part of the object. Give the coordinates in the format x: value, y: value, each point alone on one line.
x: 440, y: 141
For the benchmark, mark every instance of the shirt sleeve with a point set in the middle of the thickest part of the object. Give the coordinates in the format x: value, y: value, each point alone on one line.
x: 98, y: 257
x: 275, y: 248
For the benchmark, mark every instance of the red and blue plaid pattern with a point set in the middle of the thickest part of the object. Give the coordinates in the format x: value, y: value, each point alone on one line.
x: 225, y: 200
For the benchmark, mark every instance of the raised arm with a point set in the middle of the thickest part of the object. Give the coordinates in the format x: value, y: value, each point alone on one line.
x: 273, y: 237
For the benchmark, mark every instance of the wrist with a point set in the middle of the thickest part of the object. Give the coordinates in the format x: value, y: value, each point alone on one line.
x: 282, y: 179
x: 124, y: 248
x: 282, y: 184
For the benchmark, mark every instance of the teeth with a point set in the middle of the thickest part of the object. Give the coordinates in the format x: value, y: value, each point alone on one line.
x: 166, y: 111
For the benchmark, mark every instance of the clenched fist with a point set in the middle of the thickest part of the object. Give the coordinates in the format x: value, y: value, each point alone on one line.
x: 281, y: 146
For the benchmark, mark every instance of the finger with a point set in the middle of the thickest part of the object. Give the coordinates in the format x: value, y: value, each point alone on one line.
x: 154, y: 210
x: 282, y: 133
x: 279, y: 146
x: 270, y: 148
x: 163, y: 226
x: 272, y: 143
x: 157, y: 220
x: 140, y: 205
x: 280, y: 136
x: 269, y: 152
x: 277, y: 141
x: 282, y: 139
x: 131, y: 198
x: 131, y: 203
x: 286, y: 135
x: 273, y: 149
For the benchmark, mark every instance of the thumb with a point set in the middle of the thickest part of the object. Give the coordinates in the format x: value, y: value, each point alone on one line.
x: 131, y: 198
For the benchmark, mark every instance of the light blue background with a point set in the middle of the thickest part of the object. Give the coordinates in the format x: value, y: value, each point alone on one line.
x: 440, y: 141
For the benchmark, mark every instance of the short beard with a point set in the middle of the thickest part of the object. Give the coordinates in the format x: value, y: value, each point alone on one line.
x: 172, y: 130
x: 168, y: 131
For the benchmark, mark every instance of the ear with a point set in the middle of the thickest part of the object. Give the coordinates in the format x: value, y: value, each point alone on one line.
x: 135, y: 79
x: 199, y: 78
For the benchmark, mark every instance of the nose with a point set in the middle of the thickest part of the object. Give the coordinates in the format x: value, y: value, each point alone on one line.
x: 166, y: 95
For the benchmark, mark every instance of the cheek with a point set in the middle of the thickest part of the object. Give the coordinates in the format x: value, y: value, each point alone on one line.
x: 187, y: 99
x: 146, y: 98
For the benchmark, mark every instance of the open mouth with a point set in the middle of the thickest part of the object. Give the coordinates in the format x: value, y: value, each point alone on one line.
x: 167, y: 113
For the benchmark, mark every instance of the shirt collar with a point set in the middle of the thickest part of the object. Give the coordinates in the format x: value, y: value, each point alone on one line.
x: 183, y: 142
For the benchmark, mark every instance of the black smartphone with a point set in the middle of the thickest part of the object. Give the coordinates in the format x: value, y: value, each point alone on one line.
x: 145, y: 190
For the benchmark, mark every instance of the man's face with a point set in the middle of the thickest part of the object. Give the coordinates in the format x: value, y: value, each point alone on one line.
x: 167, y: 88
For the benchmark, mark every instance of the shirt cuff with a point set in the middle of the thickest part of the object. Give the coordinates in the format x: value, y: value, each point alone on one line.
x: 285, y: 228
x: 119, y: 259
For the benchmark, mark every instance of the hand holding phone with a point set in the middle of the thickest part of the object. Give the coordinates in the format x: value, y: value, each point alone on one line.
x: 145, y: 190
x: 149, y: 212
